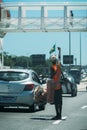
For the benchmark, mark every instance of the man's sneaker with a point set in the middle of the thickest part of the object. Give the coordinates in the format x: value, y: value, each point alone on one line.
x: 56, y: 118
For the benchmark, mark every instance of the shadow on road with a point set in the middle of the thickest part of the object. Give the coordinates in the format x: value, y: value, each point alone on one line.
x: 17, y: 110
x: 42, y: 117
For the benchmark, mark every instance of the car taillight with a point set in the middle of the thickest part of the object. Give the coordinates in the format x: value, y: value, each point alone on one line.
x: 29, y: 87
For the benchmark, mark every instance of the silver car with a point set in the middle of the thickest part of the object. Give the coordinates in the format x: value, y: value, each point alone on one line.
x: 17, y: 88
x: 69, y: 85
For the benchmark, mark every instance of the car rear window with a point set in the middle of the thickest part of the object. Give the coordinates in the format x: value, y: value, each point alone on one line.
x: 75, y: 73
x: 13, y: 76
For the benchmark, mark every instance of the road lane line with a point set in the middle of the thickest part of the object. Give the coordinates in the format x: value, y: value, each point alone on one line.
x: 64, y: 117
x: 58, y: 121
x: 83, y: 107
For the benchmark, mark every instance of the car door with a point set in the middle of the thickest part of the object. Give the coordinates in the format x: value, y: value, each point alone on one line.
x: 35, y: 79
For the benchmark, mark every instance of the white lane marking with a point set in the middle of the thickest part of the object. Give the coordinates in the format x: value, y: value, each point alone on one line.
x: 83, y: 107
x: 58, y: 121
x: 64, y: 117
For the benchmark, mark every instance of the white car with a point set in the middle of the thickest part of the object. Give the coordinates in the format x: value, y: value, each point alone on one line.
x: 17, y: 88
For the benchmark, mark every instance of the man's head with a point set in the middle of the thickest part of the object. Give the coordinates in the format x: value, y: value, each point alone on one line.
x: 53, y: 59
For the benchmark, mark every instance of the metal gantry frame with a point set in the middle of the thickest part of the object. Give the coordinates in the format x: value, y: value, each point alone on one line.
x: 43, y: 17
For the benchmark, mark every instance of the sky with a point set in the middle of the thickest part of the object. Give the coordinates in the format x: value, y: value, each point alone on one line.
x: 44, y: 0
x: 26, y: 44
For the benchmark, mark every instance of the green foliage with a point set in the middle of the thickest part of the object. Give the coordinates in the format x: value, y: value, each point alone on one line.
x: 24, y: 62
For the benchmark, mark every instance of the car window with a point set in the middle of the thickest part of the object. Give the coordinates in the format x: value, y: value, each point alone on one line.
x: 13, y: 76
x: 35, y: 77
x: 75, y: 73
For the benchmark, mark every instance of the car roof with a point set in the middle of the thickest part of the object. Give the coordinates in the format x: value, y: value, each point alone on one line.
x: 74, y: 70
x: 17, y: 70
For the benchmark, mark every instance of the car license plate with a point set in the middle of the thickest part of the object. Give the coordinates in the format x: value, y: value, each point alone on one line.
x: 7, y: 99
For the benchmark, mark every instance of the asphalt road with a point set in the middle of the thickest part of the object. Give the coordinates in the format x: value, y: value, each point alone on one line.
x: 74, y: 110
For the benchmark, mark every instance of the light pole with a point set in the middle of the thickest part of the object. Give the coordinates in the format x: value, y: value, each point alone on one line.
x: 80, y: 51
x: 69, y: 48
x: 2, y: 52
x: 69, y: 43
x: 27, y: 60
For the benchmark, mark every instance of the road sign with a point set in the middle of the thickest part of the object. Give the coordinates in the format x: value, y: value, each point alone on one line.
x: 68, y: 59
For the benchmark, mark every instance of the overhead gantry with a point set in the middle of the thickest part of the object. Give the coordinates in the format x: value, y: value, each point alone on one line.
x: 43, y: 17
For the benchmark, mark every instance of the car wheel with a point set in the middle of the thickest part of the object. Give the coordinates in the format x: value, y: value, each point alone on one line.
x: 76, y: 93
x: 1, y: 108
x: 32, y: 108
x: 42, y: 107
x: 73, y: 93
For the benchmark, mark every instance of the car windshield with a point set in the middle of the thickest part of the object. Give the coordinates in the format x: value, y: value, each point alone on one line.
x: 13, y: 76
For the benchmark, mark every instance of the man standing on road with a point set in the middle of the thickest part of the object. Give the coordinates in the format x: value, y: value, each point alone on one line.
x: 71, y: 18
x: 56, y: 76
